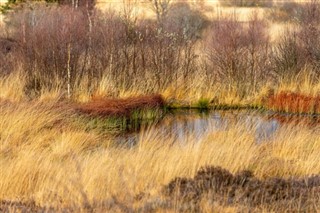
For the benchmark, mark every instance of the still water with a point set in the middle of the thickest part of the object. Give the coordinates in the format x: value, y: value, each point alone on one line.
x: 182, y: 125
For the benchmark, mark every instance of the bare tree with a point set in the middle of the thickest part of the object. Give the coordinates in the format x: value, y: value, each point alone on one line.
x: 161, y: 8
x: 258, y: 46
x: 239, y: 52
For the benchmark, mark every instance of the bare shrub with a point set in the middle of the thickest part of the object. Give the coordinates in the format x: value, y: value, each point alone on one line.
x: 299, y: 47
x: 239, y: 52
x: 225, y: 49
x: 52, y: 41
x: 258, y: 47
x: 108, y: 40
x: 286, y: 56
x: 67, y: 45
x: 161, y: 8
x: 134, y: 50
x: 309, y: 34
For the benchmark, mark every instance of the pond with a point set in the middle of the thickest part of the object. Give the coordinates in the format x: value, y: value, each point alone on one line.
x: 185, y: 124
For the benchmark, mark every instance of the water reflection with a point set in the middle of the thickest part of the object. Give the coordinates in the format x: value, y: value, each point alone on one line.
x: 182, y: 125
x: 186, y: 124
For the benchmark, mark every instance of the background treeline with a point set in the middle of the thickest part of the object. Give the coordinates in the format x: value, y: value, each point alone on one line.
x: 72, y: 44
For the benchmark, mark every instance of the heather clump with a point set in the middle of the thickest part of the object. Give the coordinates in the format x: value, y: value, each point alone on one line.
x: 243, y: 187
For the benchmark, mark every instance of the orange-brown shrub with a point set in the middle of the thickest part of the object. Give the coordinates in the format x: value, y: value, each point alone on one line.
x: 120, y: 107
x: 294, y: 102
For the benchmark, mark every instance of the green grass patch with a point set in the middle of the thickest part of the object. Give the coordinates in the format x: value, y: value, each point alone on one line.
x: 203, y: 103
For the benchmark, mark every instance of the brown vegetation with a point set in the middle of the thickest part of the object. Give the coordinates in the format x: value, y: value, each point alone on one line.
x: 120, y: 107
x: 294, y: 102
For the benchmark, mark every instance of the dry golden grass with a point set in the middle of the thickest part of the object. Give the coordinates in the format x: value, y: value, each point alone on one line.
x: 12, y: 88
x: 45, y: 160
x: 306, y: 83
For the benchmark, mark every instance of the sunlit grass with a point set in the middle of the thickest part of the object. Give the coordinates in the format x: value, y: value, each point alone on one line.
x: 44, y: 159
x: 185, y: 94
x: 58, y: 156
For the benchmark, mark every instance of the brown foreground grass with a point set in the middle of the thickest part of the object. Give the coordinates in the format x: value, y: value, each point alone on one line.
x: 50, y: 165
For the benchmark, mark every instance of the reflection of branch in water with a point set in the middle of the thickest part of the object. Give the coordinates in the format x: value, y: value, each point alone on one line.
x: 188, y: 125
x: 310, y: 121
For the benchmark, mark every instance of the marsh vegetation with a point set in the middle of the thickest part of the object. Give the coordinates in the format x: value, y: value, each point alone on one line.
x: 188, y: 108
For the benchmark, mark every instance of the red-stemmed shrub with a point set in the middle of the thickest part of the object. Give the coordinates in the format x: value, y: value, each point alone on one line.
x: 293, y: 102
